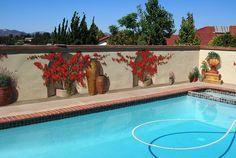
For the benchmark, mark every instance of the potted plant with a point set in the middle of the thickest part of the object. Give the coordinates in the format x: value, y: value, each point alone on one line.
x: 171, y: 78
x: 190, y: 76
x: 213, y: 60
x: 8, y: 92
x: 204, y: 68
x: 195, y: 74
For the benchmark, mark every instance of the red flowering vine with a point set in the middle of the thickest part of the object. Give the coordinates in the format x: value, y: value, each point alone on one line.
x: 65, y: 71
x: 145, y: 65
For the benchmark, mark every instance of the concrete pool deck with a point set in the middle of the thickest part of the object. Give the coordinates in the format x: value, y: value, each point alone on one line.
x: 18, y: 112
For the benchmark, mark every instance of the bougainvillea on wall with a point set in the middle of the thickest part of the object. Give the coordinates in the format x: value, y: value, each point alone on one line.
x: 145, y: 66
x: 66, y: 71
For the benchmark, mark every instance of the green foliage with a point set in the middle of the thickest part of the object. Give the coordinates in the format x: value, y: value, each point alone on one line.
x: 7, y: 78
x: 123, y: 37
x: 196, y: 72
x: 83, y: 31
x: 226, y: 40
x: 213, y: 55
x: 129, y: 21
x: 8, y: 40
x: 74, y: 29
x: 5, y: 81
x: 93, y: 34
x: 151, y: 26
x: 204, y: 66
x: 157, y: 23
x: 77, y: 32
x: 113, y: 29
x: 191, y: 76
x: 187, y: 33
x: 41, y: 39
x: 60, y: 35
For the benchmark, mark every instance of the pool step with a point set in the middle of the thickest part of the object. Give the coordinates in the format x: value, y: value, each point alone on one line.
x: 211, y: 97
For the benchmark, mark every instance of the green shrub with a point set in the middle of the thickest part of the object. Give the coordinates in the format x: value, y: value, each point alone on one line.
x: 5, y: 81
x: 213, y: 55
x: 7, y: 78
x: 226, y: 40
x: 204, y: 66
x: 196, y: 72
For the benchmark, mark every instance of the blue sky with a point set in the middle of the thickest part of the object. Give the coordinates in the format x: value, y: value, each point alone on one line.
x: 43, y: 15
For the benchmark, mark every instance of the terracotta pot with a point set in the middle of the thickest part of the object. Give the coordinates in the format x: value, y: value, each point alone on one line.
x: 214, y: 62
x: 92, y: 73
x: 195, y: 79
x: 101, y: 84
x: 6, y: 96
x: 145, y: 83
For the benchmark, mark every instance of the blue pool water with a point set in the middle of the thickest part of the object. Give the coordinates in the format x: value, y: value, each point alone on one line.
x: 109, y: 134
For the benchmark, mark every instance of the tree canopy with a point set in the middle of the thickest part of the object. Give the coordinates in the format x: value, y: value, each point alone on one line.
x: 226, y: 40
x: 77, y: 32
x: 150, y: 26
x: 187, y: 33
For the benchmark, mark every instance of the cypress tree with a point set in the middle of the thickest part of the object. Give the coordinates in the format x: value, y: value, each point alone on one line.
x: 187, y: 33
x: 60, y: 34
x: 93, y: 34
x: 83, y: 31
x: 74, y: 29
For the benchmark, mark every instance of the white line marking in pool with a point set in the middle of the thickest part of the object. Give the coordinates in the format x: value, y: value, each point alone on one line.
x: 188, y: 148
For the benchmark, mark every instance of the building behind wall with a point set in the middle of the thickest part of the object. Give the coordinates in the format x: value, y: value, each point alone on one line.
x: 206, y: 34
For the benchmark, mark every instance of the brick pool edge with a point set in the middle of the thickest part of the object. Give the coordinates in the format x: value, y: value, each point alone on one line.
x: 76, y: 110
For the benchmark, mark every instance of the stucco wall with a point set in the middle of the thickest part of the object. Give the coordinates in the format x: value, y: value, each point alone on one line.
x: 227, y: 69
x: 31, y: 84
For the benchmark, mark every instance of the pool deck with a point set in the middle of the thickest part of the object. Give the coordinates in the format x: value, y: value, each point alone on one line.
x: 19, y: 112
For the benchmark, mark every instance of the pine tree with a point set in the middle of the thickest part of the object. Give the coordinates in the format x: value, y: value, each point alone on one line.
x: 93, y: 34
x: 187, y: 33
x: 83, y: 31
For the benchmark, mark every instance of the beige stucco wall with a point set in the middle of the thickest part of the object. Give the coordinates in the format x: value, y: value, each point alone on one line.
x: 227, y: 69
x: 30, y: 83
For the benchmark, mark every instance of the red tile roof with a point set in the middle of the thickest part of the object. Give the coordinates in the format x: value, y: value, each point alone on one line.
x: 205, y: 34
x: 104, y: 38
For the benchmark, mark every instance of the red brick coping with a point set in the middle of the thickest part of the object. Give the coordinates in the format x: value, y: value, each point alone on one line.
x: 38, y: 117
x: 35, y: 49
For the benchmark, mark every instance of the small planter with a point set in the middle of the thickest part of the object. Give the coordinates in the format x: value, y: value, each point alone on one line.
x: 61, y: 93
x: 101, y: 84
x: 145, y: 83
x: 203, y: 73
x: 6, y: 95
x: 195, y: 79
x: 213, y: 64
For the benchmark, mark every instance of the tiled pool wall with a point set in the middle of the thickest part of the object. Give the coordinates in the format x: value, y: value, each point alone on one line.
x: 200, y: 94
x: 77, y: 110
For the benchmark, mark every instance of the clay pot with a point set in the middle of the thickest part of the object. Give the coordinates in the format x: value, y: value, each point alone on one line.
x: 6, y: 95
x: 101, y: 84
x: 92, y: 73
x: 214, y: 62
x: 145, y: 83
x: 195, y: 79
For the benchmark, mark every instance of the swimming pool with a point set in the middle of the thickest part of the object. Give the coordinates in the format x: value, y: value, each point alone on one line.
x: 109, y: 134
